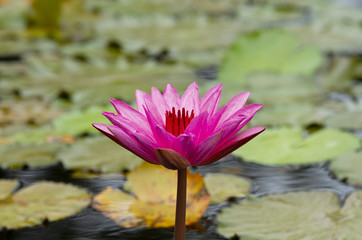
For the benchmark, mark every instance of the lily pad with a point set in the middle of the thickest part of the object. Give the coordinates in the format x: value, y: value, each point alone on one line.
x: 295, y: 114
x: 294, y: 216
x: 29, y: 111
x: 287, y: 146
x: 275, y: 51
x: 349, y: 166
x: 349, y: 120
x: 223, y: 186
x: 6, y: 187
x: 37, y: 135
x: 32, y: 155
x: 96, y: 84
x: 273, y: 89
x: 154, y: 202
x: 41, y: 201
x: 98, y: 154
x: 79, y: 122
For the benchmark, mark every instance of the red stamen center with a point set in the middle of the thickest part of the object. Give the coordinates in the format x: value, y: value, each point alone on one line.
x: 177, y: 123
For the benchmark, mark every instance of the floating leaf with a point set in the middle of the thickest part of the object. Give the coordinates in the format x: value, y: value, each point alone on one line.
x: 6, y: 187
x: 79, y: 122
x: 41, y: 201
x: 349, y: 166
x: 287, y: 146
x: 345, y: 120
x: 294, y: 216
x: 280, y: 89
x: 296, y: 114
x: 98, y: 154
x: 26, y: 111
x: 154, y: 203
x: 33, y: 155
x: 269, y: 51
x: 223, y: 186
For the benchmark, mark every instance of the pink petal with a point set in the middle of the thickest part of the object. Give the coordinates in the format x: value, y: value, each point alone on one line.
x: 210, y: 101
x: 249, y: 111
x: 198, y: 127
x: 204, y: 148
x: 162, y: 137
x: 144, y: 101
x: 236, y: 122
x: 184, y: 145
x: 190, y: 99
x: 230, y: 128
x: 235, y: 104
x: 171, y: 97
x: 228, y: 147
x: 130, y: 143
x: 160, y: 102
x: 103, y: 128
x: 128, y: 112
x: 171, y: 159
x: 123, y: 123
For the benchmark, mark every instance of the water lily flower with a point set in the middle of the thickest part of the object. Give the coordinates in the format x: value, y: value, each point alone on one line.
x: 179, y: 132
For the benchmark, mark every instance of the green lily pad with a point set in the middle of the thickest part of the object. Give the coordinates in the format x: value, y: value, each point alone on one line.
x: 41, y: 201
x: 287, y: 146
x: 269, y: 51
x: 6, y: 187
x: 349, y: 166
x: 99, y: 154
x: 32, y: 155
x: 80, y: 121
x: 223, y: 186
x: 294, y: 216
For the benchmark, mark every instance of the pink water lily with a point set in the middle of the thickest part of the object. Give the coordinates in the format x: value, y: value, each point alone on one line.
x: 178, y: 132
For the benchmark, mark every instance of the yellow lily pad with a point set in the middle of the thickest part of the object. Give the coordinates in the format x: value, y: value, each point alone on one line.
x: 154, y: 202
x: 6, y: 187
x: 39, y: 202
x: 223, y: 186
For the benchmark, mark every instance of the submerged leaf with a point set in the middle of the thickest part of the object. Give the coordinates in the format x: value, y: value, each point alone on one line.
x: 42, y: 201
x: 287, y: 146
x: 223, y: 186
x: 294, y: 216
x: 154, y: 203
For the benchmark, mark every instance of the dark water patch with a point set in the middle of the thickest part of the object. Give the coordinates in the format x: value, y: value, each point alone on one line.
x: 207, y: 73
x: 279, y: 179
x: 11, y: 58
x: 92, y: 225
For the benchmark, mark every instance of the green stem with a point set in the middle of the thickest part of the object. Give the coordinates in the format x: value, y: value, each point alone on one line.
x: 181, y: 205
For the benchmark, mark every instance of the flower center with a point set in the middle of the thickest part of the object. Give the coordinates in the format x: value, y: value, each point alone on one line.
x: 177, y: 123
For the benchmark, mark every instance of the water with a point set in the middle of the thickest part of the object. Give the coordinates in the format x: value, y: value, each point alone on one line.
x: 92, y: 225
